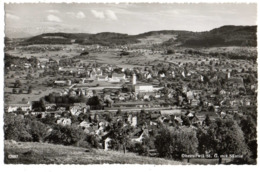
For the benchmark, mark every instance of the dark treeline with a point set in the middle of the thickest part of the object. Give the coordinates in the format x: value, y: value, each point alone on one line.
x: 9, y: 60
x: 222, y: 136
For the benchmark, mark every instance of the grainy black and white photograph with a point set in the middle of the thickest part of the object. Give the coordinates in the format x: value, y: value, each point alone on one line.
x: 130, y: 83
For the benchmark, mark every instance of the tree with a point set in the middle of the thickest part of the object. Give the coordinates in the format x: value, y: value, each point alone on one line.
x: 20, y: 91
x: 38, y: 130
x: 202, y: 136
x: 30, y: 89
x: 163, y: 142
x: 108, y: 117
x: 49, y: 120
x: 94, y: 101
x: 185, y: 141
x: 170, y: 52
x: 120, y: 134
x: 226, y: 137
x: 207, y: 120
x: 17, y: 84
x: 65, y: 135
x: 42, y: 104
x: 29, y: 76
x: 95, y: 120
x: 173, y: 142
x: 15, y: 128
x: 84, y: 53
x: 248, y: 126
x: 82, y: 117
x: 109, y: 102
x: 119, y: 112
x: 185, y: 120
x: 50, y: 98
x: 143, y: 147
x: 93, y: 140
x: 14, y: 91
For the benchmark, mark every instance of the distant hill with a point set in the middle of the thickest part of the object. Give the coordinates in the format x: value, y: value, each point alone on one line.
x: 56, y: 38
x: 164, y: 32
x: 223, y: 36
x: 104, y: 38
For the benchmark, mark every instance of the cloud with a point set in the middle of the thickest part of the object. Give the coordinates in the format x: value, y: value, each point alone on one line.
x: 111, y: 15
x: 53, y: 11
x: 108, y: 14
x: 98, y: 14
x: 80, y: 15
x: 53, y: 18
x: 11, y: 16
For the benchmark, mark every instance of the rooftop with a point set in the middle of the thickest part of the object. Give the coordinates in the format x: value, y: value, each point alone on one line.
x: 118, y: 75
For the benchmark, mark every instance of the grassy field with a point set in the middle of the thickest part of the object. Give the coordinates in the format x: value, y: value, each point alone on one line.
x: 44, y: 153
x: 66, y: 50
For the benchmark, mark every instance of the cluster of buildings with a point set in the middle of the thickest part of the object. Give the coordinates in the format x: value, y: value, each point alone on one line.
x: 144, y: 98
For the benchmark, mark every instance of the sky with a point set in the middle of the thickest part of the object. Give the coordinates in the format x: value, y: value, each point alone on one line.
x: 22, y: 20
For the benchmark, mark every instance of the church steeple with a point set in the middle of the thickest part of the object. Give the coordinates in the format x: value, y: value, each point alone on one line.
x: 134, y: 79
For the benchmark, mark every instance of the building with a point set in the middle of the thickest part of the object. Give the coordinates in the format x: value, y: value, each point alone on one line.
x: 64, y: 121
x: 134, y: 121
x: 95, y: 73
x: 23, y: 107
x: 78, y: 108
x: 143, y: 88
x: 89, y: 93
x: 117, y: 77
x: 175, y: 112
x: 222, y: 92
x: 62, y: 83
x: 134, y: 79
x: 195, y: 102
x: 107, y: 143
x: 141, y: 137
x: 190, y: 95
x: 102, y: 78
x: 50, y: 106
x: 85, y: 124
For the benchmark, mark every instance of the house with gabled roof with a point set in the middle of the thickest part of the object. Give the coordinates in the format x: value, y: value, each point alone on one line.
x: 64, y: 121
x: 117, y: 77
x: 78, y: 108
x: 144, y: 133
x: 23, y: 106
x: 102, y: 78
x: 50, y: 106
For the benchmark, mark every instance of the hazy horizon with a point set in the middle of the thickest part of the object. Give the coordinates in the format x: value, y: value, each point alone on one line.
x: 123, y: 18
x: 125, y: 33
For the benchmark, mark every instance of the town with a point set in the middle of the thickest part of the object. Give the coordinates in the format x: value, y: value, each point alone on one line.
x: 160, y: 94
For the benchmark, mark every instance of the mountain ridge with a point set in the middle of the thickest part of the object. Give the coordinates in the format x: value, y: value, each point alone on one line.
x: 228, y: 35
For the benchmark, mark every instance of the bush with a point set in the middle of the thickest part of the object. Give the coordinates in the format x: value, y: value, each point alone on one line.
x: 37, y: 130
x: 15, y: 128
x: 83, y: 144
x: 124, y: 53
x: 170, y: 52
x: 84, y: 53
x: 93, y: 141
x: 139, y: 148
x: 65, y: 135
